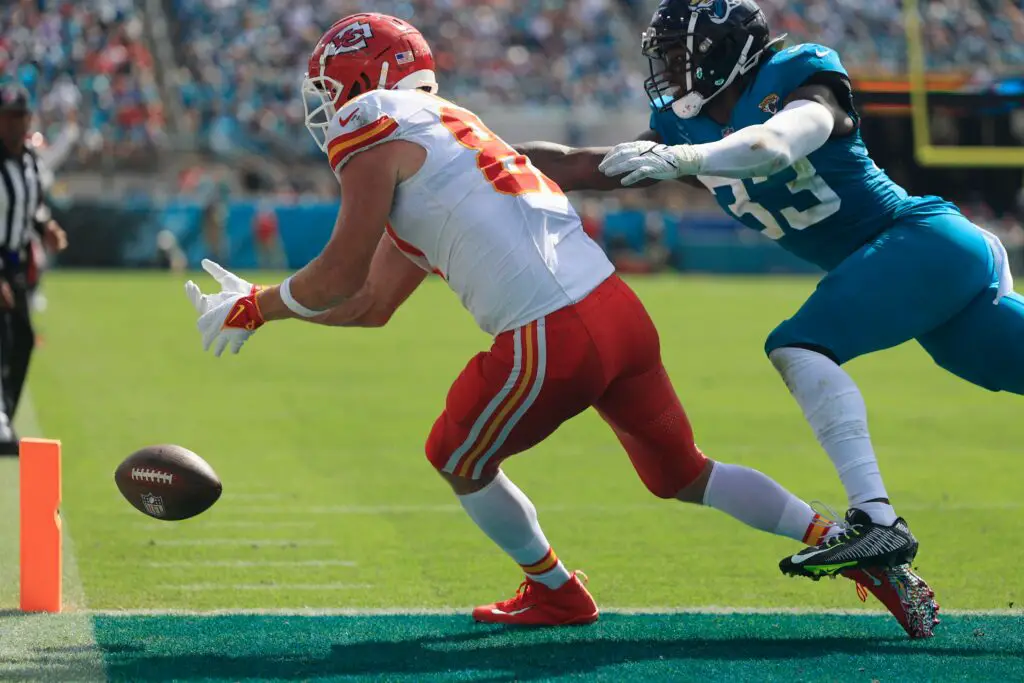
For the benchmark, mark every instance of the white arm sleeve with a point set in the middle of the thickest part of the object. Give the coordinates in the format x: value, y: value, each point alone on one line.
x: 799, y: 129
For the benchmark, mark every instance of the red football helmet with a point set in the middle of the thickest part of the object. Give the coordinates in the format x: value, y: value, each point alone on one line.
x: 359, y: 53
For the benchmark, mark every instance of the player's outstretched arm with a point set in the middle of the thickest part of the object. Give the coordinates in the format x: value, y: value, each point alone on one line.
x: 572, y: 168
x: 338, y: 274
x: 392, y: 279
x: 576, y: 168
x: 759, y: 150
x: 334, y: 284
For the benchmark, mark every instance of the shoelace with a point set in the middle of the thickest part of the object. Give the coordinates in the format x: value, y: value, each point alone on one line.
x: 522, y: 593
x: 829, y: 514
x: 843, y: 536
x: 846, y: 531
x: 526, y: 587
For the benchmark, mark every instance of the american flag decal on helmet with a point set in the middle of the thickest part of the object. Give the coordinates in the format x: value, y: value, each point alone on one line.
x: 404, y: 57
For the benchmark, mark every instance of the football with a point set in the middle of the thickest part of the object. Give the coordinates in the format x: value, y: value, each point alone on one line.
x: 168, y: 482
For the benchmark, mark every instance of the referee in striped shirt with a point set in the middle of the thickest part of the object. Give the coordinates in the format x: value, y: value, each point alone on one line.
x: 24, y: 215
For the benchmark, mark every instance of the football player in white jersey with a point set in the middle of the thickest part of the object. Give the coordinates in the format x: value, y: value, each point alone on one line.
x: 426, y: 187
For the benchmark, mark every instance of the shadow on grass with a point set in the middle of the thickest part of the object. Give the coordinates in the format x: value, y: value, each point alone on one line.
x: 452, y: 648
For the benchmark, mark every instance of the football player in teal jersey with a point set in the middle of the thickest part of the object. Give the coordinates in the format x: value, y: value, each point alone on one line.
x: 773, y: 133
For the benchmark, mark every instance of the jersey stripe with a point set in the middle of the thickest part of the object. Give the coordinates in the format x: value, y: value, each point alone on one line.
x: 344, y: 146
x: 538, y: 383
x: 402, y: 244
x: 510, y: 383
x: 410, y: 249
x: 497, y: 427
x: 486, y: 438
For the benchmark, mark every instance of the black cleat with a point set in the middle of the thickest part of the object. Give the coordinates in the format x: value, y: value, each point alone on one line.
x: 10, y: 446
x: 862, y: 544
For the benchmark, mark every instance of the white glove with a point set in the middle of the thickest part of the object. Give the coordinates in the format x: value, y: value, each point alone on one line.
x: 229, y: 317
x: 645, y: 159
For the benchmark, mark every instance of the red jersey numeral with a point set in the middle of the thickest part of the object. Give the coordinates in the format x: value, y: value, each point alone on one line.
x: 506, y: 170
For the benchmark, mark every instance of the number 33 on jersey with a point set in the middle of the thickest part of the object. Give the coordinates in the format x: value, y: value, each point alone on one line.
x: 823, y: 207
x: 477, y: 213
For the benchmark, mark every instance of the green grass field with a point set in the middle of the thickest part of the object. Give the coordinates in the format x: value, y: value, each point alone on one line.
x: 329, y: 503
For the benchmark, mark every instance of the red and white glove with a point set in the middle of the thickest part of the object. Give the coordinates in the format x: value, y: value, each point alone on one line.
x: 230, y: 317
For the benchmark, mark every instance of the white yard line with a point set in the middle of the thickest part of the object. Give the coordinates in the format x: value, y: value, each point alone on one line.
x: 445, y: 508
x: 242, y: 564
x: 246, y: 541
x: 464, y: 611
x: 264, y: 586
x: 160, y: 527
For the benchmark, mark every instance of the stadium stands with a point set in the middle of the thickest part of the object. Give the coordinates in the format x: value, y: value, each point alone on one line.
x: 85, y: 62
x: 239, y: 62
x: 232, y: 70
x: 245, y: 59
x: 869, y: 34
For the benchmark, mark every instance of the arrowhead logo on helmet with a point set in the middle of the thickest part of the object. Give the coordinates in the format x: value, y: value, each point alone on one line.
x: 351, y: 38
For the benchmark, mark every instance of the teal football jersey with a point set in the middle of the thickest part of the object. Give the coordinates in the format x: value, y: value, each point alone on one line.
x: 823, y: 207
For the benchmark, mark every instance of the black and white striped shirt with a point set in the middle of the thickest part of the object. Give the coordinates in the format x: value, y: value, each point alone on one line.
x: 22, y: 205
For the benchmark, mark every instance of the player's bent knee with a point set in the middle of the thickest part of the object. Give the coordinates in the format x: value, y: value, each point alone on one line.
x: 968, y: 367
x: 778, y: 356
x: 439, y: 454
x: 675, y: 474
x: 463, y: 486
x: 779, y: 338
x: 663, y: 490
x: 695, y: 490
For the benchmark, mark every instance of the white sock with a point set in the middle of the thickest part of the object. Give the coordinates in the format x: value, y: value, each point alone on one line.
x: 758, y: 501
x: 834, y: 407
x: 508, y: 517
x: 880, y: 513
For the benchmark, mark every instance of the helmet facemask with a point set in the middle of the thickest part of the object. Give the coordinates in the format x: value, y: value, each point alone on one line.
x: 323, y: 96
x: 319, y: 95
x: 689, y: 69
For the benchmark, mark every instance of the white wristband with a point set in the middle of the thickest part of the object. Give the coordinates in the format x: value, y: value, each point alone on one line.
x: 292, y: 304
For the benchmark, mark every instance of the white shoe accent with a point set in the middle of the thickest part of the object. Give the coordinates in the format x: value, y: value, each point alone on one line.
x: 804, y: 554
x: 511, y: 614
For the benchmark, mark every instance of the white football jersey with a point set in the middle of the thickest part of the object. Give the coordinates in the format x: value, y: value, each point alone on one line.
x: 480, y: 215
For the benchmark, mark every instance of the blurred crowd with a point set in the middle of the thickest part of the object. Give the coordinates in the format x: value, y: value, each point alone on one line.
x: 869, y: 34
x: 235, y: 66
x: 244, y: 59
x: 89, y: 70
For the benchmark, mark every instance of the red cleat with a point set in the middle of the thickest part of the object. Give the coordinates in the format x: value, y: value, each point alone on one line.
x: 904, y: 594
x: 535, y: 604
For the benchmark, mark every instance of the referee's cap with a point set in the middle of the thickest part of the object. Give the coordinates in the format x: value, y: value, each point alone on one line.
x: 14, y: 98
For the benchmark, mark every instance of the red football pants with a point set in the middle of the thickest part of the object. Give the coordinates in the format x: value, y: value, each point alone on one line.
x: 602, y: 352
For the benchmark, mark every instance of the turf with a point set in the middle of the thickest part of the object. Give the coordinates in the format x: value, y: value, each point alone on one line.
x: 618, y: 648
x: 329, y: 502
